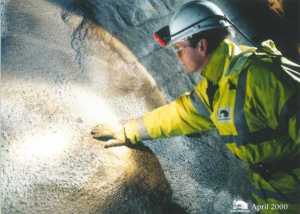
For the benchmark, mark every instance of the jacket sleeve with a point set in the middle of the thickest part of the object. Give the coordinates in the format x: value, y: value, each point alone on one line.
x: 188, y: 114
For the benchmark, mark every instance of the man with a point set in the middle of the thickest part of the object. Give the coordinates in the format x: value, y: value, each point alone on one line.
x: 246, y: 94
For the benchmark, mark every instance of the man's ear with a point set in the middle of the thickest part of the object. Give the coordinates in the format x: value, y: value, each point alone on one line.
x: 203, y: 46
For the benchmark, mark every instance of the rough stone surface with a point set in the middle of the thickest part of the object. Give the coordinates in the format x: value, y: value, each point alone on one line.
x: 68, y: 65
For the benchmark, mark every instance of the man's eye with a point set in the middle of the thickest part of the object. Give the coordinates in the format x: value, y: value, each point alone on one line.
x: 177, y: 49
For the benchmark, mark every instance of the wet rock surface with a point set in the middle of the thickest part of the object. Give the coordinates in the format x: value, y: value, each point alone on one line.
x: 68, y: 65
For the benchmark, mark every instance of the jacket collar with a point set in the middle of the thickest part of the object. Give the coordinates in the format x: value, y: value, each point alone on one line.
x: 220, y: 60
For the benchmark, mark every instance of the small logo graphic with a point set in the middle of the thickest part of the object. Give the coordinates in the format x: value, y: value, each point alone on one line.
x: 240, y: 206
x: 224, y: 114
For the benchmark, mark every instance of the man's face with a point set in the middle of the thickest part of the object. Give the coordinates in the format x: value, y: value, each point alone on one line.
x: 193, y: 59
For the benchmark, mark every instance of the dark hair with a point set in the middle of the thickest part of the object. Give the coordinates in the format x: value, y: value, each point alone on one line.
x: 214, y: 38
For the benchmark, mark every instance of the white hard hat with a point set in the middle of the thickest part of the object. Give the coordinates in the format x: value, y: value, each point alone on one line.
x: 191, y: 18
x: 194, y: 17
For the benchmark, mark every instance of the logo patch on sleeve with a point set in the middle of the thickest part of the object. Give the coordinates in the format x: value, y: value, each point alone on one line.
x: 224, y: 114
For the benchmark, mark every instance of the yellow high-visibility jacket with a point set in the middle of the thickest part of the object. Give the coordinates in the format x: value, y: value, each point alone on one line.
x: 255, y: 108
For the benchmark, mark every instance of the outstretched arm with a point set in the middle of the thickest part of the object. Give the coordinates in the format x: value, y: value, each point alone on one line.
x: 188, y: 114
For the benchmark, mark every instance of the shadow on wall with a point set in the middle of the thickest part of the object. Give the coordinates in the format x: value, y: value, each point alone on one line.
x: 147, y: 178
x: 142, y: 188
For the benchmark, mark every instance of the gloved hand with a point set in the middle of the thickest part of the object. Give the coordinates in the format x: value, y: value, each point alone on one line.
x: 110, y: 135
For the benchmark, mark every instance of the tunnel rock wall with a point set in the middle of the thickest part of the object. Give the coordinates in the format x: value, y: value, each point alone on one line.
x: 51, y: 97
x: 68, y: 65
